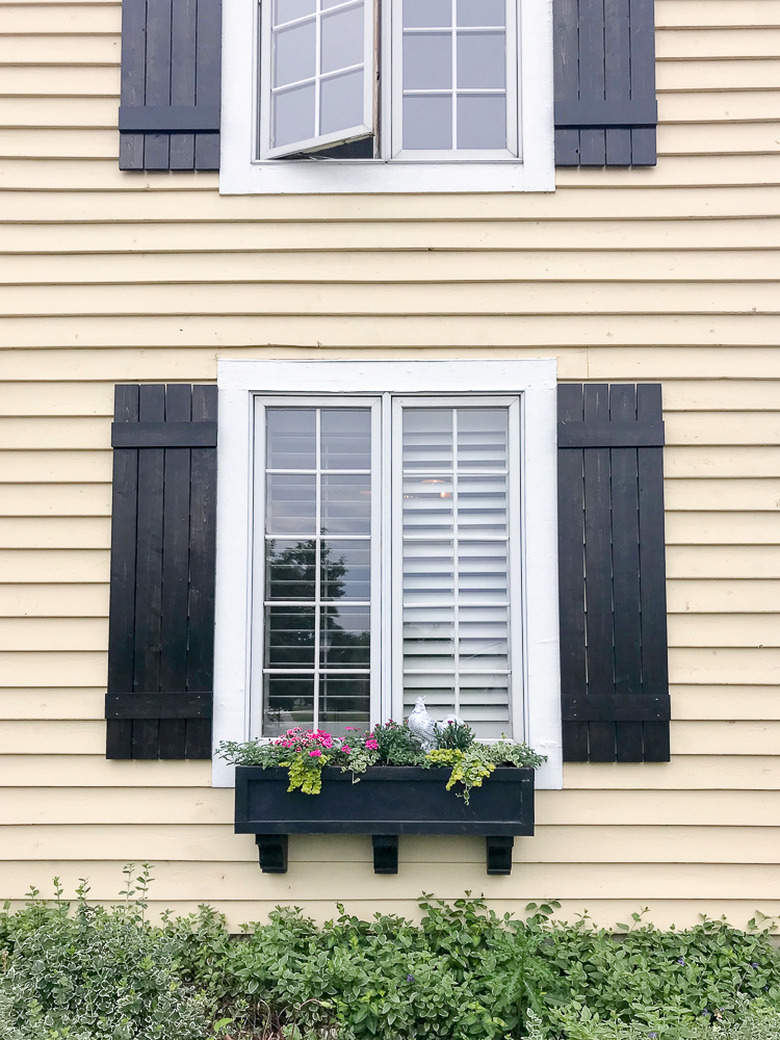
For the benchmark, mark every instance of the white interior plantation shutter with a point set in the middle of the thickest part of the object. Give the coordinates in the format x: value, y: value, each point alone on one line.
x: 454, y: 574
x: 317, y: 74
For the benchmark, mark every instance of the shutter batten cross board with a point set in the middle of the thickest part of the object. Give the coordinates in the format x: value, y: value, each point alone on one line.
x: 605, y: 108
x: 162, y: 574
x: 614, y: 677
x: 170, y: 90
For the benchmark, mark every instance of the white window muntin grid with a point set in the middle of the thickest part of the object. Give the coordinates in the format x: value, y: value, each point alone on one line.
x: 258, y: 670
x: 517, y: 727
x: 267, y: 91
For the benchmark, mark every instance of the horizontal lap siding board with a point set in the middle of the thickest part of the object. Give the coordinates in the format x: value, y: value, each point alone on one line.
x: 170, y: 92
x: 158, y: 703
x: 605, y: 110
x: 612, y: 591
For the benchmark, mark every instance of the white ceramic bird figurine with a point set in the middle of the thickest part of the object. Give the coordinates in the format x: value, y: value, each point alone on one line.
x: 422, y: 725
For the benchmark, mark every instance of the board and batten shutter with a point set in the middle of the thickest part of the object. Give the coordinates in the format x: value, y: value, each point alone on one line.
x: 605, y: 107
x: 614, y: 671
x: 170, y: 85
x: 604, y: 59
x: 161, y: 613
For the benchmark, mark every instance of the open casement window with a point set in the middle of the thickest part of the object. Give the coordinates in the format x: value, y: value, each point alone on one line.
x: 386, y: 547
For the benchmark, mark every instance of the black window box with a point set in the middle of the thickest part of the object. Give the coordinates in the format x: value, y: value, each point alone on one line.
x: 386, y: 802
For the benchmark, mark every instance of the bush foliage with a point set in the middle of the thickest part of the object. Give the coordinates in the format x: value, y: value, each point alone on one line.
x: 74, y: 971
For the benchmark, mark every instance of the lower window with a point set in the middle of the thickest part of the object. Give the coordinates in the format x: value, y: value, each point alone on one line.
x: 378, y: 543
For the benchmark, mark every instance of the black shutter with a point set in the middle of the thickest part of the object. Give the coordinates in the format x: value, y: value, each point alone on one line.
x: 161, y: 627
x: 605, y: 110
x: 614, y: 678
x: 171, y: 61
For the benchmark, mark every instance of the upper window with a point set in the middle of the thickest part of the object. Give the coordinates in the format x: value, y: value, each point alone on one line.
x: 408, y: 95
x: 378, y: 542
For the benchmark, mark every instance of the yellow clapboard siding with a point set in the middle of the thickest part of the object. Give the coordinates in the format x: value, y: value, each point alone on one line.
x: 102, y: 48
x: 48, y: 737
x: 683, y: 773
x: 392, y: 266
x: 720, y: 396
x: 70, y: 81
x: 66, y: 433
x: 46, y: 600
x: 333, y: 299
x: 730, y: 665
x: 660, y: 363
x: 681, y: 461
x: 730, y: 74
x: 59, y: 467
x: 214, y: 843
x: 132, y: 224
x: 334, y: 881
x: 715, y: 428
x: 722, y: 528
x: 725, y: 738
x: 53, y: 703
x: 53, y: 667
x: 746, y: 106
x: 61, y: 500
x: 750, y: 493
x: 759, y: 595
x: 117, y: 806
x: 528, y: 335
x: 62, y: 19
x: 727, y: 630
x: 730, y: 702
x: 88, y: 771
x: 52, y: 634
x: 55, y: 533
x: 721, y: 13
x: 29, y: 399
x: 59, y: 144
x: 55, y: 565
x: 705, y: 44
x: 748, y: 138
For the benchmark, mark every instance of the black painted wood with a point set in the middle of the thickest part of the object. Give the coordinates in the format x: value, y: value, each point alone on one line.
x: 616, y: 704
x: 170, y: 87
x: 158, y: 703
x: 605, y: 109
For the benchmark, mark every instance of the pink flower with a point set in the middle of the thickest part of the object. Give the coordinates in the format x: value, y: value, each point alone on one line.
x: 315, y: 753
x: 346, y: 747
x: 371, y: 745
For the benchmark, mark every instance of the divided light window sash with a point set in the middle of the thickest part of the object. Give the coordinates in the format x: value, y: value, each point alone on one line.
x: 317, y: 74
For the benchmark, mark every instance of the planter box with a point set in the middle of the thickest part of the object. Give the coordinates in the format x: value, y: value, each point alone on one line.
x: 386, y: 802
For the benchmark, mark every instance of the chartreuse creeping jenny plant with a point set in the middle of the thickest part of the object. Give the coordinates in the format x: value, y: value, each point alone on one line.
x: 76, y: 971
x: 304, y: 753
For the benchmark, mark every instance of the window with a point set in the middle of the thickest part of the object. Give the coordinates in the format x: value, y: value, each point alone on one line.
x: 378, y: 542
x: 384, y: 95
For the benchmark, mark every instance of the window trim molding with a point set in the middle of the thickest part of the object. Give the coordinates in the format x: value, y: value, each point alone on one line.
x: 240, y: 174
x: 240, y: 381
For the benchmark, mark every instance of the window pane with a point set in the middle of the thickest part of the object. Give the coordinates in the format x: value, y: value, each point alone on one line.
x: 294, y: 54
x: 341, y: 102
x: 481, y: 12
x: 427, y: 61
x: 344, y: 702
x: 346, y: 504
x: 286, y: 10
x: 346, y: 569
x: 346, y: 438
x: 342, y: 41
x: 293, y: 115
x: 427, y: 122
x: 290, y: 438
x: 289, y: 637
x: 290, y: 569
x: 291, y: 506
x: 436, y: 13
x: 344, y: 637
x: 481, y: 60
x: 287, y: 702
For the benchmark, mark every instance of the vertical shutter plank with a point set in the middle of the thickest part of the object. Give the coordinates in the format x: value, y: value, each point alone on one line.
x: 148, y: 606
x: 592, y: 76
x: 571, y: 570
x: 183, y: 65
x: 200, y: 658
x: 643, y: 139
x: 617, y: 46
x: 209, y: 73
x: 133, y: 80
x: 158, y: 78
x: 598, y: 572
x: 625, y: 542
x: 122, y: 596
x: 566, y: 76
x: 175, y: 568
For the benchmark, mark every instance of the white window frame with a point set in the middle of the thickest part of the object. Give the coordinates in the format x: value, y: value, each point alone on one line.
x: 534, y: 380
x: 242, y: 173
